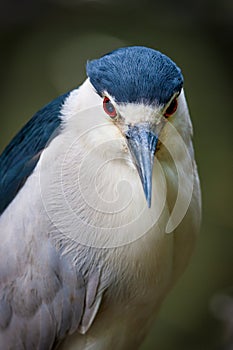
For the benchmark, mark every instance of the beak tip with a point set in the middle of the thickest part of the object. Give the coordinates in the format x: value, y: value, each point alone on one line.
x: 147, y: 193
x: 148, y: 199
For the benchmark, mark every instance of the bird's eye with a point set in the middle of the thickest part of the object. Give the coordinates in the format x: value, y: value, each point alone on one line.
x: 109, y: 108
x: 171, y: 108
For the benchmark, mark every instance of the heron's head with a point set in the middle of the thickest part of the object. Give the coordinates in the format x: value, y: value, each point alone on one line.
x: 138, y: 91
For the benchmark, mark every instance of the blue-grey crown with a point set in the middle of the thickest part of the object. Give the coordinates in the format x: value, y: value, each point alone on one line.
x: 136, y: 74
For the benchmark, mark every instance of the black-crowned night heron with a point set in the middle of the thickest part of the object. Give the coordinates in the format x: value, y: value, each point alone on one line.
x: 100, y: 207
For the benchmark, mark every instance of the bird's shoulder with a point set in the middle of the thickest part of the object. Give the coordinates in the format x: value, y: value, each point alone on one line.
x: 22, y: 154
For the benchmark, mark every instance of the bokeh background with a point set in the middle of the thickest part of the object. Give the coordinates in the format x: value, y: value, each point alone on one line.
x: 44, y: 45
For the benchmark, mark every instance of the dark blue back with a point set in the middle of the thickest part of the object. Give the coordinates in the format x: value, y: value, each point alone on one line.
x: 22, y: 154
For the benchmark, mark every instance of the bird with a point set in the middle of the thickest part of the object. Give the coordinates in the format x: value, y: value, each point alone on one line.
x: 100, y: 207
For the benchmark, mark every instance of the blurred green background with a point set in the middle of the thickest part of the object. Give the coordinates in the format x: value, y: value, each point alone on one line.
x: 44, y: 47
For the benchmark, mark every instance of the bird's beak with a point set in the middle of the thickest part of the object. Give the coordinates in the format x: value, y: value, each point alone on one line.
x: 142, y: 142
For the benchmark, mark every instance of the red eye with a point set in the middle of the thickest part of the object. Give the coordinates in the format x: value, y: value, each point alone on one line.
x: 109, y: 108
x: 171, y: 108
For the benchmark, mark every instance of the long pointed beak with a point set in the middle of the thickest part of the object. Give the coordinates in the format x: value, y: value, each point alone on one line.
x: 142, y: 144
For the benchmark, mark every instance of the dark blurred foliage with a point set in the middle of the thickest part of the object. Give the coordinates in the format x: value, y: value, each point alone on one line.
x: 44, y: 47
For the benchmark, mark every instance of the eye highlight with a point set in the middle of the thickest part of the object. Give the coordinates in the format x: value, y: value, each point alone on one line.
x: 171, y: 108
x: 109, y: 108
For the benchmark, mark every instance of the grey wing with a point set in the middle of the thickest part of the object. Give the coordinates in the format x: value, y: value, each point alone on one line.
x: 42, y: 297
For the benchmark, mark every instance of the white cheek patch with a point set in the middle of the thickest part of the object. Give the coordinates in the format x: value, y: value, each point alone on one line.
x: 83, y: 98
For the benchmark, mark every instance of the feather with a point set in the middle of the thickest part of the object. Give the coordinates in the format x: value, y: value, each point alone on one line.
x: 22, y: 154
